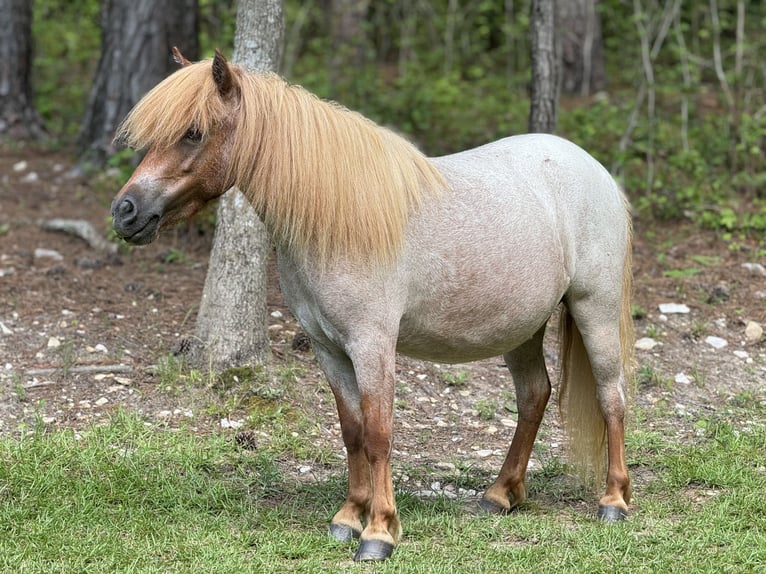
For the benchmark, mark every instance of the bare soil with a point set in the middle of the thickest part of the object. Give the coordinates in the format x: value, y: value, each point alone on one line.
x: 82, y: 332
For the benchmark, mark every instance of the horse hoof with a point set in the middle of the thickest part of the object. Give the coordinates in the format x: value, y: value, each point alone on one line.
x: 492, y: 507
x: 611, y: 513
x: 343, y: 533
x: 373, y: 550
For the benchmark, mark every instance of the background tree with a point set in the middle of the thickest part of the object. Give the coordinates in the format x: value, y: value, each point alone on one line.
x: 18, y: 116
x: 582, y: 47
x: 543, y: 110
x: 136, y: 39
x: 231, y: 323
x: 347, y: 35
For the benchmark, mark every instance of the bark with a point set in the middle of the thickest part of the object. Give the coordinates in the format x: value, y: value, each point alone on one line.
x: 582, y: 47
x: 349, y: 43
x: 231, y: 327
x: 136, y: 39
x: 545, y: 64
x: 18, y: 116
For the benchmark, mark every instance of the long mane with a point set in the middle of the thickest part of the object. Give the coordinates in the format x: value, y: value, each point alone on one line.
x: 325, y: 180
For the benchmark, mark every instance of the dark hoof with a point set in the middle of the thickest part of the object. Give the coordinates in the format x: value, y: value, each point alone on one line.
x: 492, y: 507
x: 370, y: 550
x: 343, y: 533
x: 611, y: 513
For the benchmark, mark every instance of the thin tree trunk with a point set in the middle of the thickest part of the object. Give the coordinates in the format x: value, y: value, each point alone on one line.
x: 543, y: 111
x: 136, y: 39
x: 231, y: 327
x: 18, y: 116
x: 582, y: 50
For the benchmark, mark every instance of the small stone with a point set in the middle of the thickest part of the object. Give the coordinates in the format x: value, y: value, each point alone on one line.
x: 20, y: 166
x: 716, y: 342
x: 304, y: 469
x: 54, y: 343
x: 719, y: 293
x: 741, y: 354
x: 682, y: 379
x: 276, y: 314
x: 448, y: 466
x: 41, y: 253
x: 31, y: 177
x: 101, y: 402
x: 484, y: 453
x: 421, y: 377
x: 673, y: 308
x: 755, y: 268
x: 229, y: 424
x: 753, y: 331
x: 646, y: 344
x: 5, y: 330
x: 491, y: 430
x: 100, y: 348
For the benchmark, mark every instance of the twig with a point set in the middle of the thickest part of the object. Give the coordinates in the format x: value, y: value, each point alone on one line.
x: 81, y: 370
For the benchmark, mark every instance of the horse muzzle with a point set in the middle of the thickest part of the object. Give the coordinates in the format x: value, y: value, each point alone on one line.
x: 135, y: 223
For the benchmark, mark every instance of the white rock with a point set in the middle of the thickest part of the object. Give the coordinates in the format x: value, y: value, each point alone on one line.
x: 229, y: 424
x: 5, y: 330
x: 646, y: 344
x: 484, y: 453
x: 100, y: 348
x: 41, y: 253
x: 304, y: 469
x: 448, y: 466
x: 741, y: 354
x: 670, y: 308
x: 753, y: 331
x: 716, y: 342
x: 31, y: 177
x: 682, y: 379
x: 53, y: 343
x: 20, y: 166
x: 276, y: 314
x: 755, y: 268
x: 101, y: 402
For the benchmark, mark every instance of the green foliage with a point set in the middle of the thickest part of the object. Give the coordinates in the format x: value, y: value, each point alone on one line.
x: 67, y: 41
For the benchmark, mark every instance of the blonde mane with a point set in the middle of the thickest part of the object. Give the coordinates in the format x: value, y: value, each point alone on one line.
x: 324, y: 179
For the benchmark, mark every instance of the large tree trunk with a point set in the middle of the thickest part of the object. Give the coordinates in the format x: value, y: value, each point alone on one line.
x: 543, y: 110
x: 582, y: 47
x: 231, y: 325
x: 136, y: 39
x: 18, y: 117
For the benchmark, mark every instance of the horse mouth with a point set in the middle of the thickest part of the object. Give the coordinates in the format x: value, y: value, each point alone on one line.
x: 143, y: 236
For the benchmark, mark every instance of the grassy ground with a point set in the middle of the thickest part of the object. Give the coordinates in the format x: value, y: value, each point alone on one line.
x: 126, y: 497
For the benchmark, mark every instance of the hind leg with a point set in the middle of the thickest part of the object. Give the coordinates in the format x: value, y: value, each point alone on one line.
x: 599, y: 325
x: 533, y: 389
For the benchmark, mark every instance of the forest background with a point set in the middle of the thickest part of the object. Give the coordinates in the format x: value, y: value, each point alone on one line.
x: 677, y: 112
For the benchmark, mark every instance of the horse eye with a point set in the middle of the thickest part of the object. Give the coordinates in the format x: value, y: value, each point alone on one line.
x: 193, y: 135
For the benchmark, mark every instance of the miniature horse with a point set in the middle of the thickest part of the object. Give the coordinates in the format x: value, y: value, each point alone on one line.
x: 382, y: 250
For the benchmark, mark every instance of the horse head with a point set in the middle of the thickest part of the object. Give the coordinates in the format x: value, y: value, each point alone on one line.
x: 186, y: 124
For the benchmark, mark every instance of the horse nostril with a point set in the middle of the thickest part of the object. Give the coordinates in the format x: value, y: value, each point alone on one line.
x: 125, y: 207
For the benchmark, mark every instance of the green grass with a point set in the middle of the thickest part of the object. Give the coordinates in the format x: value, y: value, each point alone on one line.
x: 127, y: 497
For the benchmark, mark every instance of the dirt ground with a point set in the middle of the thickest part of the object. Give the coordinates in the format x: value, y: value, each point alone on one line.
x: 81, y: 329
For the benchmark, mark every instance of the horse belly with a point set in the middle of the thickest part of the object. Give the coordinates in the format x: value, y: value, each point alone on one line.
x: 469, y: 325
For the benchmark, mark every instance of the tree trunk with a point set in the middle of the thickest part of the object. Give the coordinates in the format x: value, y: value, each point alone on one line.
x: 349, y: 43
x: 545, y: 64
x: 231, y: 325
x: 582, y: 47
x: 136, y: 39
x: 18, y: 116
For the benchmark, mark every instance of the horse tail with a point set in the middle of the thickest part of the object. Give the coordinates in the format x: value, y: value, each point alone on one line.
x: 578, y: 401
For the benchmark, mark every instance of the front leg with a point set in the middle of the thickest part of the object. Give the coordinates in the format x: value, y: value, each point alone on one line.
x: 347, y: 524
x: 375, y: 372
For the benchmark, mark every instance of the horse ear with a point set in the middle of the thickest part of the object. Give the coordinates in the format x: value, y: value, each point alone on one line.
x: 178, y: 57
x: 224, y: 79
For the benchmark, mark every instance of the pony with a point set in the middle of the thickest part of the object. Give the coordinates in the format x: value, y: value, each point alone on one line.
x: 382, y: 250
